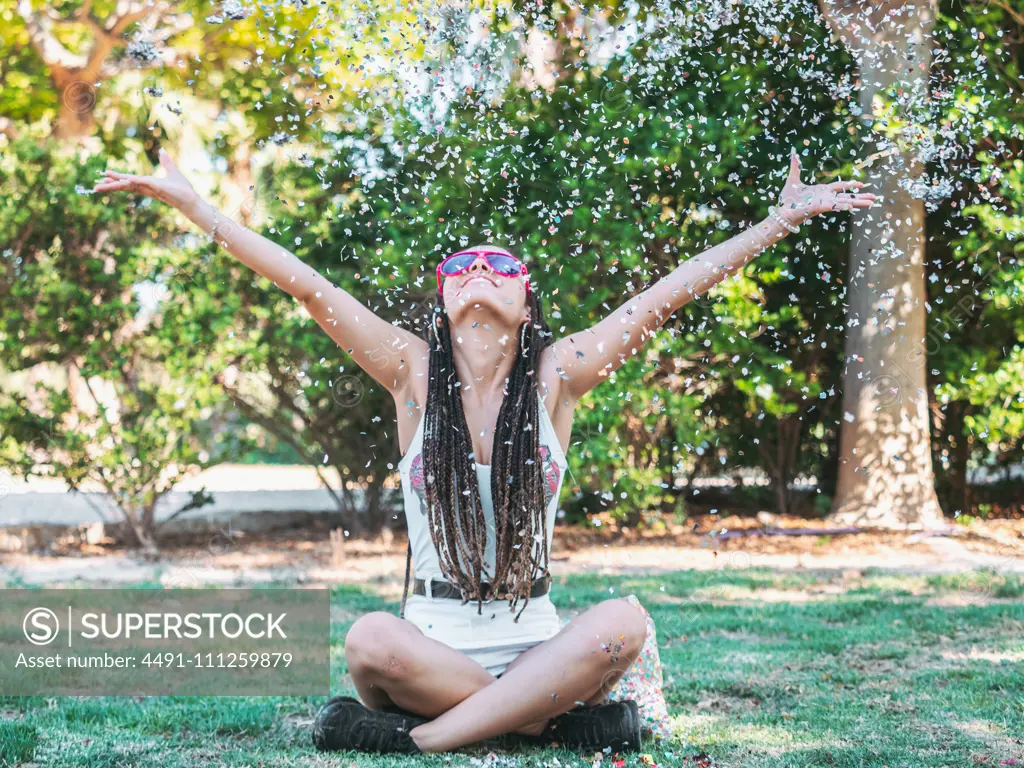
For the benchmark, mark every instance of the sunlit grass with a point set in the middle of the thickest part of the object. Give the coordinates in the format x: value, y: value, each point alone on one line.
x: 762, y: 669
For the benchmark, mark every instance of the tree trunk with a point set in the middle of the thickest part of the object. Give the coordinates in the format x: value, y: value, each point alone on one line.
x: 953, y: 488
x: 885, y: 475
x: 141, y: 525
x: 790, y: 432
x: 375, y: 511
x: 781, y: 496
x: 352, y: 521
x: 76, y: 105
x: 75, y: 119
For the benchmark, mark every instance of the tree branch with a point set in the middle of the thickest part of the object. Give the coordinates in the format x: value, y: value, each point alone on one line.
x: 276, y: 429
x: 54, y: 55
x: 127, y: 14
x: 64, y: 64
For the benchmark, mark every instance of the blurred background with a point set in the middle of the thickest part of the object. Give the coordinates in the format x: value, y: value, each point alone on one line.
x: 865, y: 376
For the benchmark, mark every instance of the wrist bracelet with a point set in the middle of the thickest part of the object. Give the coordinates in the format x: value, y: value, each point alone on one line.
x: 773, y: 212
x: 212, y: 234
x: 216, y: 225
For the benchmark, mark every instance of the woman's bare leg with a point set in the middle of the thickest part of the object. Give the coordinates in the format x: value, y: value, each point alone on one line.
x: 392, y: 662
x: 579, y: 665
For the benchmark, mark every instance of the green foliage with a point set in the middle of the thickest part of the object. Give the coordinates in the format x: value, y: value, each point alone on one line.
x: 236, y: 333
x: 975, y: 337
x: 100, y: 410
x: 604, y: 184
x: 596, y: 186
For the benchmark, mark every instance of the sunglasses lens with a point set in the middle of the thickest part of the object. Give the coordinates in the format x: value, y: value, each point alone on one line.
x: 506, y: 265
x: 456, y: 264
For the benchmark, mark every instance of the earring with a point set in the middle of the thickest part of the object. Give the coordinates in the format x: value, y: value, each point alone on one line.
x: 522, y: 339
x: 437, y: 320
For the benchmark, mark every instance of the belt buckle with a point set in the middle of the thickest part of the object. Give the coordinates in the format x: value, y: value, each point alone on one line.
x: 428, y: 588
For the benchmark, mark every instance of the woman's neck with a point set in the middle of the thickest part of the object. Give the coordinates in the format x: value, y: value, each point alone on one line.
x: 483, y: 361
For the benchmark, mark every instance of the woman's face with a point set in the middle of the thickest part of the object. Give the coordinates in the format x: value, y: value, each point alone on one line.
x: 482, y: 291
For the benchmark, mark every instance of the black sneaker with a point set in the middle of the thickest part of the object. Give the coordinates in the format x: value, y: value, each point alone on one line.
x: 615, y: 724
x: 345, y: 723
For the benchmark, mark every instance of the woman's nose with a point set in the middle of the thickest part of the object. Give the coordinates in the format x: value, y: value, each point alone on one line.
x: 480, y: 264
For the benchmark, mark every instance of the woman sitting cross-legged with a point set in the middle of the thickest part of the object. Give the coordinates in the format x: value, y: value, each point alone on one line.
x: 485, y: 406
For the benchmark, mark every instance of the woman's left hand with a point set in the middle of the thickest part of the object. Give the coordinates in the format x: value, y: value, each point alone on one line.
x: 800, y: 202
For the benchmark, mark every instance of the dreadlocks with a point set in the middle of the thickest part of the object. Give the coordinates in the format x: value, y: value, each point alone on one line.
x: 454, y: 509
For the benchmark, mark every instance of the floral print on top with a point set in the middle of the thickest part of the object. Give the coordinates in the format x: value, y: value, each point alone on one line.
x: 552, y: 473
x: 419, y: 482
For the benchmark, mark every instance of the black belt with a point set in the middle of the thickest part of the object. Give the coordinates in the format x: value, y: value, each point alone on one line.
x: 441, y: 588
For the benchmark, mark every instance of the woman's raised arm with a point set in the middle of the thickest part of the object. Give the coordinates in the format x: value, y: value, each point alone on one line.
x: 381, y: 349
x: 583, y: 359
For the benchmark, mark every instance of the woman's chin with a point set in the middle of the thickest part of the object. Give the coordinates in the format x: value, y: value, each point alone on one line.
x: 468, y: 306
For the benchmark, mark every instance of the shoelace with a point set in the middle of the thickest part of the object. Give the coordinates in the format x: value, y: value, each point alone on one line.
x: 366, y: 731
x: 589, y: 729
x: 377, y: 736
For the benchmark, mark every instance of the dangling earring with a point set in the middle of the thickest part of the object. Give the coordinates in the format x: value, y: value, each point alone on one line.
x: 522, y: 339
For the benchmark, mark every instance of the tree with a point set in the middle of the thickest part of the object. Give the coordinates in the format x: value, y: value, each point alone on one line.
x: 68, y: 302
x: 885, y: 473
x: 77, y: 75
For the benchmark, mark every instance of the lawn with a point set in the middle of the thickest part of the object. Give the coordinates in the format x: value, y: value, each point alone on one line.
x: 762, y: 669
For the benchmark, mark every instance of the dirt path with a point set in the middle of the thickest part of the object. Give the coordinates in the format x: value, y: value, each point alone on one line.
x: 223, y: 561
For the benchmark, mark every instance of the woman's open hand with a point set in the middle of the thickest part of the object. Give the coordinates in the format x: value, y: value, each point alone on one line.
x: 800, y: 202
x: 173, y: 189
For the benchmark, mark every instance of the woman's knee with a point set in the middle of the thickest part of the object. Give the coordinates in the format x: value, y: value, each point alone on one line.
x: 623, y: 627
x: 378, y: 643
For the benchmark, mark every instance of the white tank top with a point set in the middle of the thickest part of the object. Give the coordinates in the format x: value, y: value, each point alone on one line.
x: 424, y: 555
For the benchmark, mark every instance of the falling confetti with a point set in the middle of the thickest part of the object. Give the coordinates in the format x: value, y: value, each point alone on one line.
x: 672, y: 123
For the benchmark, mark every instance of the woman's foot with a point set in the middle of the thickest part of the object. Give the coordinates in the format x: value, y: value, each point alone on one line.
x: 345, y: 723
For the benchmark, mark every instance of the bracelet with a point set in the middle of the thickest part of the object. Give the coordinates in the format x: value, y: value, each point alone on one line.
x: 214, y: 232
x: 773, y: 212
x: 212, y: 236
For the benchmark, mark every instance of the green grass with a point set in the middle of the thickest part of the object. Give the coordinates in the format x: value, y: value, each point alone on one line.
x: 17, y: 742
x: 762, y: 669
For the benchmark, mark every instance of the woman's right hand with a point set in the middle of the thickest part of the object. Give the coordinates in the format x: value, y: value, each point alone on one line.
x: 173, y: 189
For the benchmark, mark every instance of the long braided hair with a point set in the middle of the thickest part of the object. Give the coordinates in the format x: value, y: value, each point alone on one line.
x: 454, y: 509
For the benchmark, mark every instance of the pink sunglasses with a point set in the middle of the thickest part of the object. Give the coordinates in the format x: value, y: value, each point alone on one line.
x: 501, y: 262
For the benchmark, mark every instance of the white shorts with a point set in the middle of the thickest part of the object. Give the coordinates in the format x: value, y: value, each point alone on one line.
x: 492, y: 639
